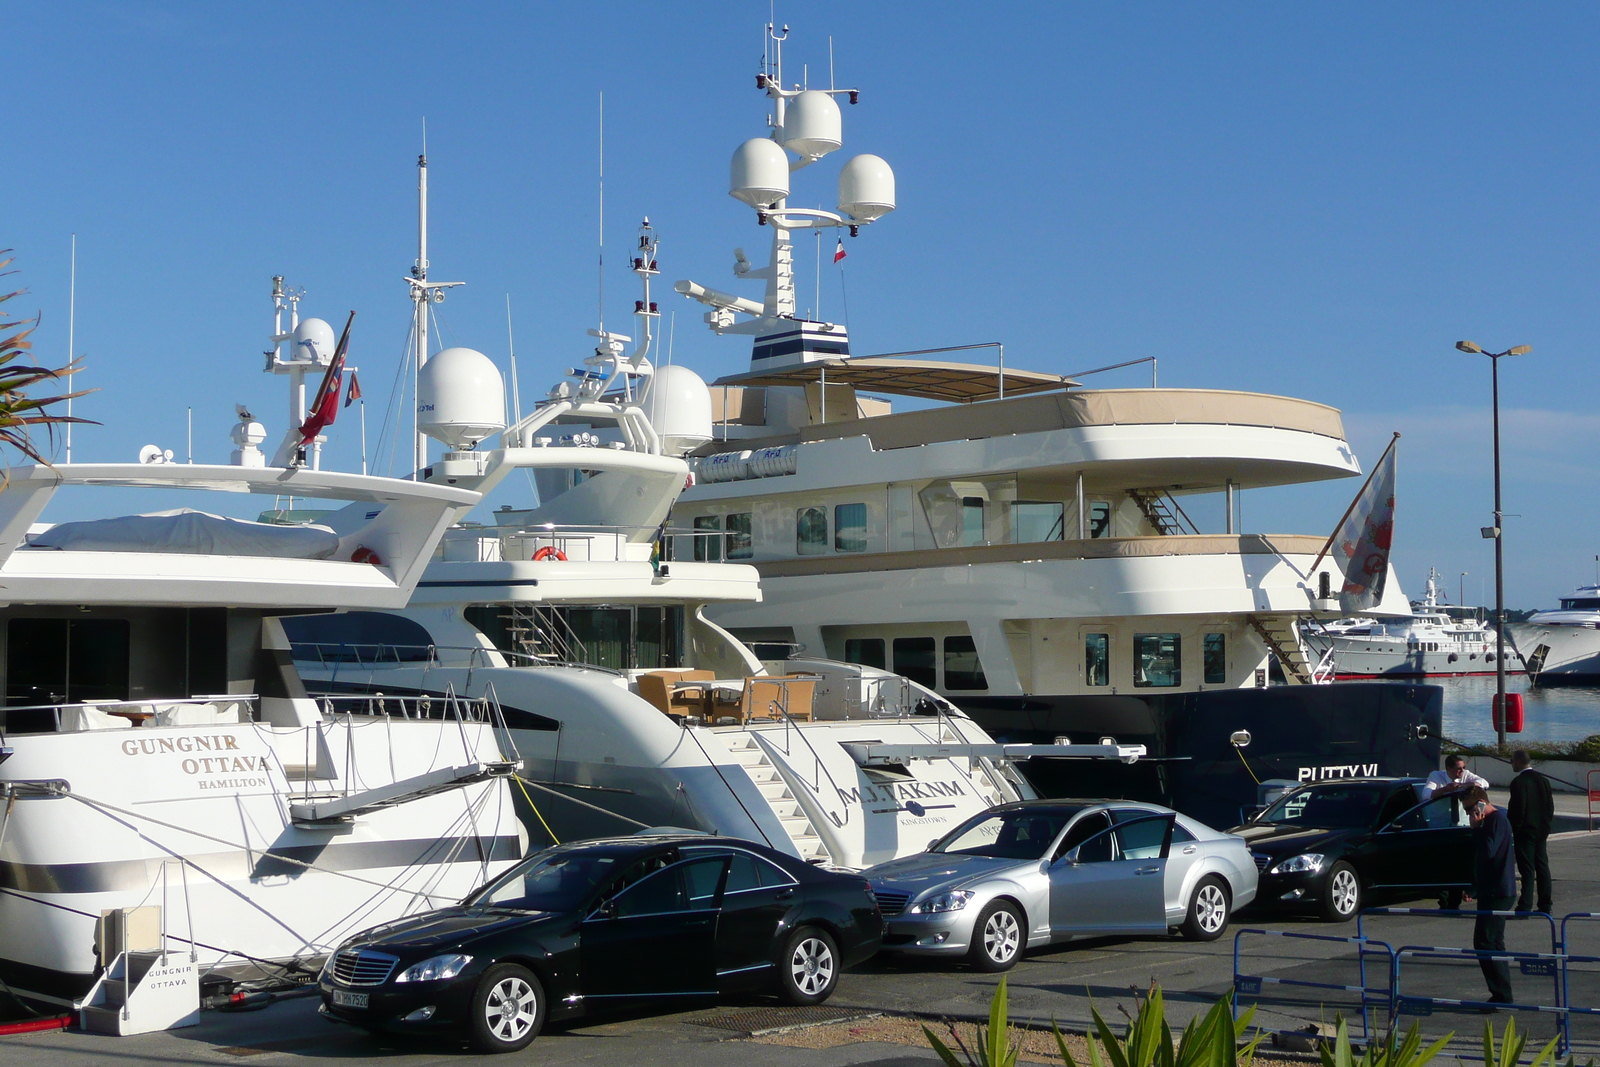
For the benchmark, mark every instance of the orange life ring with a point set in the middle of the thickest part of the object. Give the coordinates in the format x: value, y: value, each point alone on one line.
x: 548, y: 552
x: 366, y: 555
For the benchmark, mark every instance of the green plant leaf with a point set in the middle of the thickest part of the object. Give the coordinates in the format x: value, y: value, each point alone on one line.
x: 944, y: 1052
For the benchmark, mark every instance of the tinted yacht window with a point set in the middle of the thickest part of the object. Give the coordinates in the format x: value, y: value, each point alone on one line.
x: 351, y: 636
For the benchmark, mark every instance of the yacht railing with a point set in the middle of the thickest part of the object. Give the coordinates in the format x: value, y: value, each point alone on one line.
x: 337, y: 656
x: 410, y: 706
x: 93, y: 714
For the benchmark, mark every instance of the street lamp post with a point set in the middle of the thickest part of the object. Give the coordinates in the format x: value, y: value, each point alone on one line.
x: 1495, y: 532
x: 1461, y: 590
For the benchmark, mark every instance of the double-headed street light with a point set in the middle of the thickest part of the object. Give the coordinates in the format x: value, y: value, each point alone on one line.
x: 1495, y: 533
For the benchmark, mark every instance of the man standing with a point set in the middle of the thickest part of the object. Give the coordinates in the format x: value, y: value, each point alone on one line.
x: 1531, y: 812
x: 1494, y: 883
x: 1455, y: 776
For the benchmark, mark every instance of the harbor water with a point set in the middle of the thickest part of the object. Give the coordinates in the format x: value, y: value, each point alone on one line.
x: 1561, y: 714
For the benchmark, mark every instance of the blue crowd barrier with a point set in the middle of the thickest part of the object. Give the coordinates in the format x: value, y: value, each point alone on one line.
x: 1250, y: 984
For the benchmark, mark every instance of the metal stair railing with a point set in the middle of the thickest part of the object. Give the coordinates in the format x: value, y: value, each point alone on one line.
x: 1293, y: 659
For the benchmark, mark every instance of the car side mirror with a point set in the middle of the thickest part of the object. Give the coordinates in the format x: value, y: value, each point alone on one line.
x: 1393, y: 827
x: 935, y: 841
x: 1070, y: 858
x: 608, y: 910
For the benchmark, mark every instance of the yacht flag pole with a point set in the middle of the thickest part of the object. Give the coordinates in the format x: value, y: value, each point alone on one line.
x: 1365, y: 541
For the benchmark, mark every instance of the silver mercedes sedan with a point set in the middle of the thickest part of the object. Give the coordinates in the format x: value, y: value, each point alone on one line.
x: 1042, y: 871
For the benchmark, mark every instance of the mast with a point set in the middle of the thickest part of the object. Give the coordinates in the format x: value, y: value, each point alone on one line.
x: 419, y: 294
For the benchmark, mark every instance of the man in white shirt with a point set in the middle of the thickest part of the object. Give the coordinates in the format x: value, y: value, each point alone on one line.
x: 1454, y: 777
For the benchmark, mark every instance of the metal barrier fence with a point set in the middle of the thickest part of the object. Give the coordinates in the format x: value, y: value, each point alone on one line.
x: 1252, y: 983
x: 1554, y: 965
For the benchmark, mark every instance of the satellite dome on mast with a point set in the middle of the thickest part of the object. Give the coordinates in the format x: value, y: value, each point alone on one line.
x: 866, y: 188
x: 460, y: 398
x: 678, y: 404
x: 812, y: 126
x: 759, y: 174
x: 313, y: 340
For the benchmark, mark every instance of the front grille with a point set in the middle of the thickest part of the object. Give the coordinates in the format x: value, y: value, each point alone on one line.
x: 891, y: 903
x: 363, y: 967
x: 1261, y: 860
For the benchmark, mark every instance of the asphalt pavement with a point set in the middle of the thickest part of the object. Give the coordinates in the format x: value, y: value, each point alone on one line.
x: 1061, y: 983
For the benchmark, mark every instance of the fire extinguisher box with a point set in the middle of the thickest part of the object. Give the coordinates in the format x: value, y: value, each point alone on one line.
x: 1513, y: 713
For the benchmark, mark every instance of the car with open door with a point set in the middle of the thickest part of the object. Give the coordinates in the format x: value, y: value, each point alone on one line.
x: 1037, y: 872
x: 1332, y: 847
x: 574, y: 929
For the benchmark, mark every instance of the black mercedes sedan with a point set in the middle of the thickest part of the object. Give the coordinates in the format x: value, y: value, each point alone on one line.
x: 614, y: 921
x: 1333, y: 845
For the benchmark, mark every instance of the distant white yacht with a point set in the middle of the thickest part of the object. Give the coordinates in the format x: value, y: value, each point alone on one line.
x: 1562, y: 647
x: 1432, y: 642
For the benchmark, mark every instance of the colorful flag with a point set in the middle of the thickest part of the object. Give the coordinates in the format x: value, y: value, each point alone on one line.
x: 325, y: 408
x: 839, y: 253
x: 355, y: 390
x: 1362, y: 543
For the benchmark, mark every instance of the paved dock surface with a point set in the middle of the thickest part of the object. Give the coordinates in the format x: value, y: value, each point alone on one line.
x: 1059, y: 983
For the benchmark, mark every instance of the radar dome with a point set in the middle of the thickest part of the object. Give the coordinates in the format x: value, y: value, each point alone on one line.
x: 866, y: 188
x: 678, y: 405
x: 460, y: 398
x: 314, y: 340
x: 812, y: 126
x: 759, y: 174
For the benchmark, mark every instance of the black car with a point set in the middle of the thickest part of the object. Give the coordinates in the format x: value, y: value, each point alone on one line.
x: 1331, y: 845
x: 615, y: 921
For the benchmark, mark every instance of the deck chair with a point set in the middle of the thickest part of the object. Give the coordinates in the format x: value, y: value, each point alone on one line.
x: 667, y: 691
x: 770, y: 697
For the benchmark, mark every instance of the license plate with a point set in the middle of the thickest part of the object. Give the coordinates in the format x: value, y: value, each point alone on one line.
x: 349, y: 1000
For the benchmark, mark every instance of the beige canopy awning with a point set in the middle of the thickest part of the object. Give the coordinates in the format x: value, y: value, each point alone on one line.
x: 926, y: 378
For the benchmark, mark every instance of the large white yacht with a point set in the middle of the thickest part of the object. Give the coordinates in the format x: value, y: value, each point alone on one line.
x: 1562, y: 646
x: 178, y: 814
x: 1022, y: 545
x: 1434, y: 641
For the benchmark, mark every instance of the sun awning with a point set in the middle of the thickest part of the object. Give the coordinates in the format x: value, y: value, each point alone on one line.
x: 926, y: 378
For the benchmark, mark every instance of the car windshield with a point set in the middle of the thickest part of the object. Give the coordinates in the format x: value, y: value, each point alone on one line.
x: 548, y: 881
x: 1330, y: 807
x: 1017, y: 834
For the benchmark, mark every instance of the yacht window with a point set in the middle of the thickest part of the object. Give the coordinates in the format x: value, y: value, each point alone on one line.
x: 1157, y: 660
x: 972, y: 520
x: 602, y: 635
x: 739, y: 545
x: 1038, y: 520
x: 359, y: 637
x: 1096, y: 659
x: 1099, y: 518
x: 707, y: 549
x: 1580, y: 603
x: 811, y: 531
x: 850, y: 528
x: 974, y: 512
x: 962, y: 668
x: 54, y: 661
x: 1216, y: 659
x: 867, y: 651
x: 914, y: 658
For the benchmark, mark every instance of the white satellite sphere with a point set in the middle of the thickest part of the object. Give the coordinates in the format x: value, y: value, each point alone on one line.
x: 759, y: 174
x: 812, y: 126
x: 866, y: 188
x: 460, y: 398
x: 678, y: 404
x: 314, y: 339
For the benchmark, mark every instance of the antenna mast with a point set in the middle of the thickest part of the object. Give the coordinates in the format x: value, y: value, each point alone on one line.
x: 72, y: 323
x: 423, y: 293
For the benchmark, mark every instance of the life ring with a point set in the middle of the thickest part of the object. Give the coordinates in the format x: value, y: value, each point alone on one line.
x: 366, y: 555
x: 547, y: 552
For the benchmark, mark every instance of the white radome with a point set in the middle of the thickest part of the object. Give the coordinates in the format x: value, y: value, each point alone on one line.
x: 759, y: 173
x: 866, y: 188
x: 812, y: 125
x: 678, y: 405
x: 314, y: 339
x: 460, y: 398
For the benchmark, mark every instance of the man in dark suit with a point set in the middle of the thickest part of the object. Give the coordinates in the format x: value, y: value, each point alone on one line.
x: 1531, y: 811
x: 1494, y: 884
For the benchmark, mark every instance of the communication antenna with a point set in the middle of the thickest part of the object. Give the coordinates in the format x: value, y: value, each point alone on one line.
x: 423, y: 293
x: 601, y: 270
x: 511, y: 344
x: 72, y: 322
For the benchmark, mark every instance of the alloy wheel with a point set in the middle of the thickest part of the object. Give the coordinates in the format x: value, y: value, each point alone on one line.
x: 1211, y: 908
x: 1001, y: 936
x: 1344, y: 891
x: 811, y: 966
x: 510, y: 1009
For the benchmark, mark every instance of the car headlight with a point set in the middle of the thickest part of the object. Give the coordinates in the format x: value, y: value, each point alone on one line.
x: 436, y: 969
x: 954, y: 900
x: 1306, y: 862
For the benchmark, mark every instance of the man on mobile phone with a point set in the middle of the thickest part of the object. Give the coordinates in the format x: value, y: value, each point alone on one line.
x: 1531, y: 813
x: 1494, y: 884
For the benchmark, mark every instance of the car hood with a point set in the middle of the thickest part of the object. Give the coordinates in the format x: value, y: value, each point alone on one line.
x: 446, y: 928
x: 935, y: 870
x: 1285, y: 839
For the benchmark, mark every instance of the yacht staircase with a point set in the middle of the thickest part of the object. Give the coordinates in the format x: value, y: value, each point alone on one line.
x: 748, y: 753
x: 1282, y: 639
x: 1154, y: 503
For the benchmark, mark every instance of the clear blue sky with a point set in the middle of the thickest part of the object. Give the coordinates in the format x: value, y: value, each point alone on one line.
x: 1310, y: 200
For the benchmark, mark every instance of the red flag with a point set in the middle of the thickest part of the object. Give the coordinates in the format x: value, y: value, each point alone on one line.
x: 839, y: 253
x: 325, y: 408
x: 355, y: 390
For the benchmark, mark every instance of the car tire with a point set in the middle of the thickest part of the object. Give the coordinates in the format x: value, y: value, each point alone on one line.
x: 1209, y: 910
x: 1341, y: 894
x: 508, y: 1009
x: 998, y: 938
x: 808, y: 969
